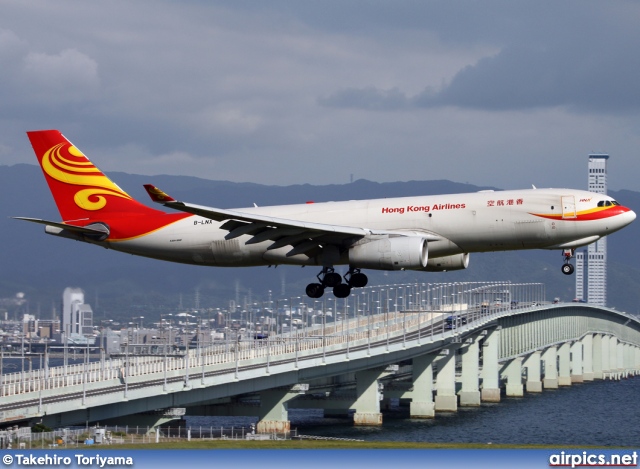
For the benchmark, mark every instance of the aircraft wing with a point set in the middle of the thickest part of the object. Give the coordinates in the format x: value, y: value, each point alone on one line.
x: 303, y: 236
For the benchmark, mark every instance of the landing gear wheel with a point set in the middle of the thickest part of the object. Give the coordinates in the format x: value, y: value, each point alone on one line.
x: 332, y: 279
x: 342, y: 290
x: 315, y: 290
x: 358, y: 280
x: 567, y: 268
x: 355, y: 278
x: 329, y: 278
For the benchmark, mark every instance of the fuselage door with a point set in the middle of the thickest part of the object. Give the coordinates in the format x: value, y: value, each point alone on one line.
x: 569, y: 207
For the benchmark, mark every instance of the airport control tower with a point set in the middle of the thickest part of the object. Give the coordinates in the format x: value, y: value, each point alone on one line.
x: 591, y: 264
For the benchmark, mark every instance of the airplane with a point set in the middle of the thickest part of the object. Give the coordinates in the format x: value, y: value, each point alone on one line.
x: 424, y: 233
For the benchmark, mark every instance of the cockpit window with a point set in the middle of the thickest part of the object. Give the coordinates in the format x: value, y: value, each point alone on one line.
x: 607, y: 203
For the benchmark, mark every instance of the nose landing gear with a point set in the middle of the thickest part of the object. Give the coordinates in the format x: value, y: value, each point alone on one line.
x: 567, y: 267
x: 330, y: 278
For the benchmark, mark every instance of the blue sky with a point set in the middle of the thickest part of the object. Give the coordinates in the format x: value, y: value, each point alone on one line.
x: 494, y: 93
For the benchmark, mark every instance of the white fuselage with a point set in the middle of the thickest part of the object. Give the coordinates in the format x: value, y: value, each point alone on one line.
x: 455, y: 223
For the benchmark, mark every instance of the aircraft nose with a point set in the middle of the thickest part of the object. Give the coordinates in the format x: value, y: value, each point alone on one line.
x: 632, y: 215
x: 624, y: 217
x: 627, y: 216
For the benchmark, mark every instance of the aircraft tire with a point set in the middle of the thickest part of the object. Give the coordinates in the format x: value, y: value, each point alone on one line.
x: 332, y: 279
x: 567, y: 269
x: 358, y: 280
x: 342, y: 290
x: 315, y: 290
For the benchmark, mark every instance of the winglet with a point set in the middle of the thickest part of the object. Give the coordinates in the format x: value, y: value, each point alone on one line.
x: 158, y: 195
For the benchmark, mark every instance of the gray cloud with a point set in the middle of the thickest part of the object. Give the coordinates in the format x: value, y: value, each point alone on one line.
x: 285, y: 91
x: 521, y: 78
x: 368, y: 98
x: 570, y: 56
x: 593, y: 80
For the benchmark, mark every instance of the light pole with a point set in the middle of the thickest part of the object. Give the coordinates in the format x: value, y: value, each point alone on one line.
x: 186, y: 358
x: 65, y: 350
x: 46, y: 360
x: 22, y: 360
x: 86, y: 374
x: 134, y: 331
x: 163, y: 327
x: 364, y: 308
x: 40, y: 393
x: 127, y: 367
x: 201, y: 356
x: 324, y: 337
x: 164, y: 385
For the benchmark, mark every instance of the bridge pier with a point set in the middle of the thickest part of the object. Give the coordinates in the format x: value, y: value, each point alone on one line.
x: 274, y: 410
x: 606, y: 355
x: 513, y: 372
x: 532, y: 363
x: 490, y: 369
x: 550, y: 358
x: 367, y: 403
x: 422, y: 405
x: 446, y: 398
x: 597, y: 357
x: 470, y: 392
x: 564, y: 368
x: 627, y: 360
x: 576, y: 362
x: 587, y: 358
x: 613, y: 358
x: 620, y: 350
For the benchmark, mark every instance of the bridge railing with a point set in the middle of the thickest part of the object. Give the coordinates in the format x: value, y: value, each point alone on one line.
x: 429, y: 305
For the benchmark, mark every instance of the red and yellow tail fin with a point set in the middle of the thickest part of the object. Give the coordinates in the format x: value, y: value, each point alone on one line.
x: 81, y: 191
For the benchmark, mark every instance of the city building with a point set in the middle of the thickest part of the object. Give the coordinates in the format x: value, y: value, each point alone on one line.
x: 77, y: 316
x: 591, y: 263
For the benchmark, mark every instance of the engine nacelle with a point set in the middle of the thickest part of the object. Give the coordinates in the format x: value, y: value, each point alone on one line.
x: 403, y: 252
x: 443, y: 264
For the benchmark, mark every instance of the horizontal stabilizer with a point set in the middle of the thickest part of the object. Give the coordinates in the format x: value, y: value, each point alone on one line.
x: 97, y: 230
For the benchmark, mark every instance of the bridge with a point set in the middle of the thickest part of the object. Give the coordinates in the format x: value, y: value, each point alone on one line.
x: 435, y: 346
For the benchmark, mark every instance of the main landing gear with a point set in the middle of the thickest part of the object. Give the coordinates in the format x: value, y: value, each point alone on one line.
x: 331, y: 279
x: 567, y: 267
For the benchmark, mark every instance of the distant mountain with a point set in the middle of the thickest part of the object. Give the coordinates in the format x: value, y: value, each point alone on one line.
x: 121, y: 286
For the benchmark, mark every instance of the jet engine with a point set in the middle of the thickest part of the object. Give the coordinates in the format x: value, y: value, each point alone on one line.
x: 446, y: 263
x: 402, y: 252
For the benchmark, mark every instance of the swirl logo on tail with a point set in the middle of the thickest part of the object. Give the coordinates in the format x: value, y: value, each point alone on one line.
x: 65, y: 163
